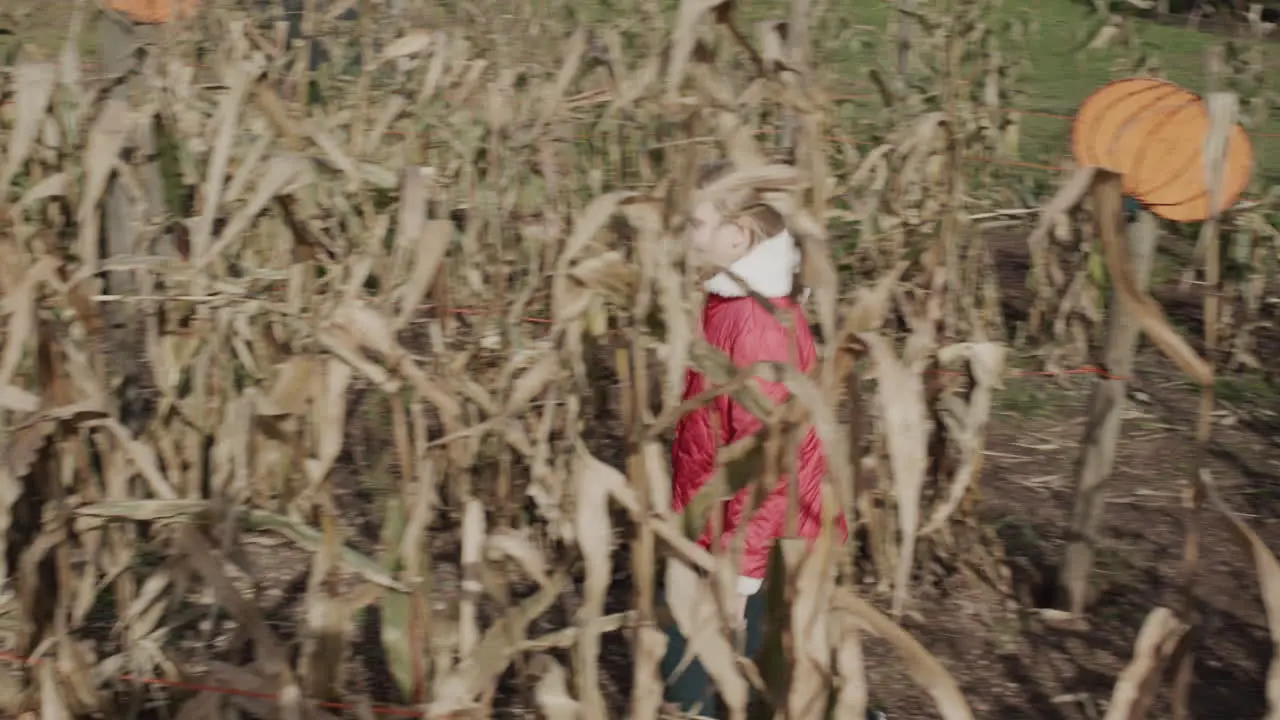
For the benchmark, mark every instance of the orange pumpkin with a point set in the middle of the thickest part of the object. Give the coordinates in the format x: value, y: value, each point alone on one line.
x: 153, y: 12
x: 1151, y: 132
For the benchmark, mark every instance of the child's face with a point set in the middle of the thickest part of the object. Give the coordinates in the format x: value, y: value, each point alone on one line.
x: 713, y: 241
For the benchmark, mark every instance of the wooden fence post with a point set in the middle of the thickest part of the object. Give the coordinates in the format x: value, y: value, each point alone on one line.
x: 119, y: 40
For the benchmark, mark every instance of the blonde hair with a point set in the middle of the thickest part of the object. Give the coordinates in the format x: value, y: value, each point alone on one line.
x: 744, y: 208
x: 748, y: 210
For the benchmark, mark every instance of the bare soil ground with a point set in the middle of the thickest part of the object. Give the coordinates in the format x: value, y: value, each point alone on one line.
x: 1016, y: 667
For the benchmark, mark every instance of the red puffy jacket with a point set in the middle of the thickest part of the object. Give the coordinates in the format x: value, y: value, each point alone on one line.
x: 746, y: 331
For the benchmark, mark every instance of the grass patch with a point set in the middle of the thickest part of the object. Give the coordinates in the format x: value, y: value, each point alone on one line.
x: 1247, y: 390
x: 1029, y: 397
x: 1057, y: 75
x: 1034, y: 395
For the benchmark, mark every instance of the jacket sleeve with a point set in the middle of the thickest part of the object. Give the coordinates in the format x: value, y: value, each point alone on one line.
x: 693, y: 454
x: 765, y: 524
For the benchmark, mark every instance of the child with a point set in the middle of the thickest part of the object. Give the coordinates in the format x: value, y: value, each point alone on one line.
x: 741, y: 233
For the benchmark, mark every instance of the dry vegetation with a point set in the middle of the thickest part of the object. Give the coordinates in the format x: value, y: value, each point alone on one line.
x: 479, y: 493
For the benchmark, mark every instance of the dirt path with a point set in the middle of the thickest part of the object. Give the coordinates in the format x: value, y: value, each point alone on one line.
x: 1011, y: 665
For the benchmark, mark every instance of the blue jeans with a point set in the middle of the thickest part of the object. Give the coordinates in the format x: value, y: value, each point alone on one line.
x: 693, y: 691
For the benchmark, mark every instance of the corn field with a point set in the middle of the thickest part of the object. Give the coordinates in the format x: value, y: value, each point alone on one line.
x: 333, y: 286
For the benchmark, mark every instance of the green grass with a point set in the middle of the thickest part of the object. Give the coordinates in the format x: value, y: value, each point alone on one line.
x: 1029, y: 398
x: 1057, y: 77
x: 1247, y: 391
x: 1059, y: 74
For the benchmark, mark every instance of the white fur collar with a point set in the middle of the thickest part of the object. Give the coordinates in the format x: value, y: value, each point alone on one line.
x: 769, y: 269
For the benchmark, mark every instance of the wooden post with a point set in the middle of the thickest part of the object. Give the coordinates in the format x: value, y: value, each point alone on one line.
x: 905, y: 24
x: 1102, y: 432
x: 856, y: 489
x: 119, y: 40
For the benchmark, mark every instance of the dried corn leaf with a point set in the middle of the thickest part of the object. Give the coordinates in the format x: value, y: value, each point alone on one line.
x: 20, y: 305
x: 458, y: 689
x: 967, y: 422
x: 684, y: 38
x: 281, y: 174
x: 852, y: 694
x: 473, y: 534
x: 412, y: 43
x: 34, y: 84
x: 594, y: 533
x: 27, y: 439
x: 649, y: 686
x: 1136, y: 687
x: 430, y: 248
x: 696, y: 611
x: 922, y: 666
x: 810, y: 619
x: 290, y: 392
x: 254, y: 520
x: 871, y: 306
x: 907, y: 428
x: 589, y: 223
x: 1268, y: 571
x: 329, y: 417
x: 533, y: 381
x: 55, y: 185
x: 1146, y: 311
x: 271, y: 653
x: 552, y: 690
x: 18, y: 400
x: 53, y: 704
x: 518, y: 545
